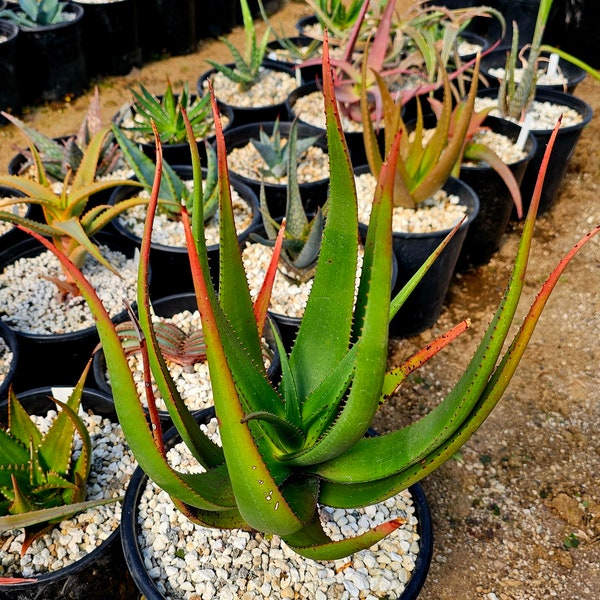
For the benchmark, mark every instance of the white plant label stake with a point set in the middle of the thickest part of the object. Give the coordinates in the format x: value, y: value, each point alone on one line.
x: 525, y: 128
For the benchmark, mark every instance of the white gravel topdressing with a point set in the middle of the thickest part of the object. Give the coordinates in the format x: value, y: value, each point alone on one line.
x: 272, y: 87
x: 72, y: 539
x: 188, y: 561
x: 29, y: 301
x: 6, y: 357
x: 543, y: 78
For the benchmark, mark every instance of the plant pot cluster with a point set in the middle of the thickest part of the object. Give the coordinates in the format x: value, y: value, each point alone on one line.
x: 39, y: 361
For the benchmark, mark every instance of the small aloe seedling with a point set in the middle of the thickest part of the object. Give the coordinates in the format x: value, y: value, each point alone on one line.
x: 292, y: 447
x: 279, y: 154
x: 36, y: 13
x: 247, y: 64
x: 302, y: 238
x: 165, y: 112
x: 40, y: 481
x: 63, y: 157
x: 337, y: 16
x: 424, y: 167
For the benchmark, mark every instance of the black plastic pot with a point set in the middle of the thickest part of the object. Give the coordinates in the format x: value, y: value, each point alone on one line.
x: 424, y: 305
x: 167, y: 27
x: 243, y: 115
x: 167, y: 307
x: 10, y: 339
x: 564, y: 147
x: 497, y: 60
x: 354, y: 139
x: 10, y: 97
x: 495, y: 202
x: 170, y: 265
x: 313, y: 193
x: 100, y: 574
x: 51, y: 59
x: 55, y: 359
x: 110, y: 37
x: 149, y: 590
x: 214, y: 17
x: 177, y: 153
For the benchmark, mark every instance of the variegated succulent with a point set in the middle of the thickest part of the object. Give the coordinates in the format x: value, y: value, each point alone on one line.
x: 40, y: 481
x: 288, y: 449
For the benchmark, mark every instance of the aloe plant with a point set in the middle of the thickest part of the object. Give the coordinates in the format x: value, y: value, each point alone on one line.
x: 302, y: 237
x: 165, y: 112
x: 278, y: 154
x: 36, y: 13
x: 514, y: 99
x: 424, y: 167
x: 40, y: 481
x: 248, y: 62
x: 336, y: 16
x: 67, y: 219
x: 287, y: 450
x: 61, y: 157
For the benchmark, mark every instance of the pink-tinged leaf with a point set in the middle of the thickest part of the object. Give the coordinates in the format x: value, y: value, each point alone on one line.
x: 261, y: 304
x: 351, y: 42
x: 378, y: 50
x: 15, y: 580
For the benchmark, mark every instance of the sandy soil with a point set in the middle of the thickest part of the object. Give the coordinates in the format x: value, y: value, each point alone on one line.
x: 517, y: 515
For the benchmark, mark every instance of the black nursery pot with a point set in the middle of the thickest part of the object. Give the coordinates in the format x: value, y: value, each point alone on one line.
x: 497, y: 60
x: 98, y: 575
x: 147, y: 586
x: 10, y: 98
x: 10, y: 339
x: 313, y: 193
x: 167, y: 307
x: 110, y: 37
x: 51, y: 59
x: 424, y: 305
x: 170, y: 265
x: 55, y: 359
x: 167, y: 27
x: 244, y: 115
x: 564, y: 146
x: 495, y: 202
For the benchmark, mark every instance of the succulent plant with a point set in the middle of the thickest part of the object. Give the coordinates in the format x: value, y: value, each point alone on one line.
x: 64, y: 156
x: 247, y: 64
x: 287, y: 450
x: 335, y: 15
x: 165, y: 112
x: 277, y: 153
x: 36, y: 13
x: 302, y: 237
x: 40, y: 481
x: 67, y: 219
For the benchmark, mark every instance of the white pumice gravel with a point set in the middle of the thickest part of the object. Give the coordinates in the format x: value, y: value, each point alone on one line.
x: 29, y: 301
x: 6, y: 356
x: 543, y: 78
x: 193, y: 383
x: 168, y: 231
x: 313, y: 165
x: 272, y: 87
x: 287, y: 298
x: 500, y: 144
x: 544, y: 115
x: 72, y: 539
x: 309, y: 108
x: 438, y: 213
x: 188, y: 561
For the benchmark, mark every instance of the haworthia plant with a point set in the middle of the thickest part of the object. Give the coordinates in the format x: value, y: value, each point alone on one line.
x: 287, y: 450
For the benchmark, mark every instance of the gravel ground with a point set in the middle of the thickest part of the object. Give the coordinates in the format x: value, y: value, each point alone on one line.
x: 509, y: 513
